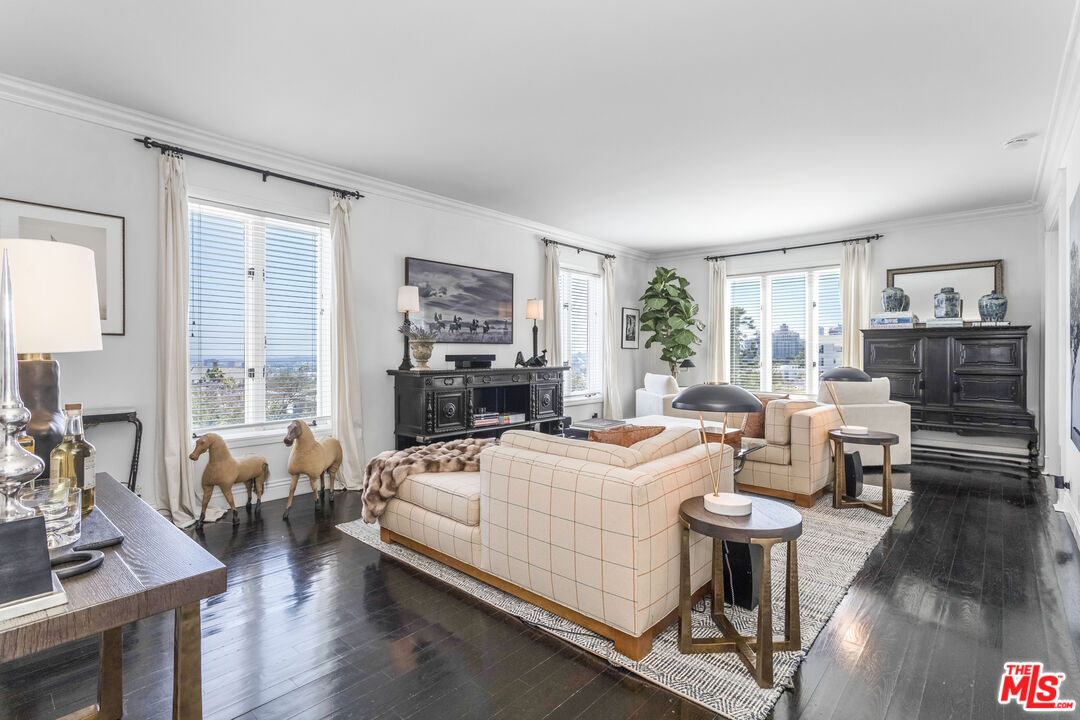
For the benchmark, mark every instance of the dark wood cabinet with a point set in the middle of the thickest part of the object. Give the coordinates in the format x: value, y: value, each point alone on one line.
x: 434, y: 405
x: 970, y: 381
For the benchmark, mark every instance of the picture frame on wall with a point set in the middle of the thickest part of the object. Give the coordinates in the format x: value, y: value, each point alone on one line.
x: 463, y: 304
x: 101, y: 233
x: 631, y: 328
x: 1073, y: 289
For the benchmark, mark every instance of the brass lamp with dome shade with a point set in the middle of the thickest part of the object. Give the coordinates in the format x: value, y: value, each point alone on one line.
x: 853, y: 470
x: 718, y: 397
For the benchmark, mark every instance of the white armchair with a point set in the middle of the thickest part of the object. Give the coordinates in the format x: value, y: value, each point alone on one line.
x: 868, y: 404
x: 655, y: 398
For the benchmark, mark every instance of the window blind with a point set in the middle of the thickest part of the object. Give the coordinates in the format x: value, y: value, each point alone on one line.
x: 829, y: 322
x: 788, y: 321
x: 259, y: 318
x: 744, y: 299
x: 581, y: 301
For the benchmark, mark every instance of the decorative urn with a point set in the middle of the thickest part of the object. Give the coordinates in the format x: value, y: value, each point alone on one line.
x: 947, y: 303
x: 993, y: 306
x: 893, y: 299
x: 421, y: 352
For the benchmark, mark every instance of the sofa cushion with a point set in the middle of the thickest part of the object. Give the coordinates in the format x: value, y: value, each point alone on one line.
x: 571, y: 448
x: 857, y: 393
x: 455, y: 495
x: 661, y: 384
x: 669, y: 442
x: 626, y: 435
x: 772, y: 454
x: 778, y: 419
x: 754, y: 423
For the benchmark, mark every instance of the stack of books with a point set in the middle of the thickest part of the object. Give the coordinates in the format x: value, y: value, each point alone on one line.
x: 990, y: 323
x: 893, y: 320
x: 945, y: 322
x: 485, y: 419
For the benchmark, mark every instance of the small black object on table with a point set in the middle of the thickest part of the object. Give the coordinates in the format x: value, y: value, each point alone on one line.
x: 97, y: 417
x: 873, y: 437
x: 768, y: 523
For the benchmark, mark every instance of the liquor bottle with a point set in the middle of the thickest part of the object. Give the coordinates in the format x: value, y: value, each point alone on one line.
x: 74, y: 457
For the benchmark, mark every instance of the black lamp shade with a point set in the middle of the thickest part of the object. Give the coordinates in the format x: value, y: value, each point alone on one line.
x: 687, y: 364
x: 845, y: 374
x: 716, y: 397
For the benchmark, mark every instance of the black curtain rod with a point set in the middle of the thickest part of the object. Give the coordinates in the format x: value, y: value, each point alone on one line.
x: 549, y: 241
x: 867, y: 238
x: 150, y: 143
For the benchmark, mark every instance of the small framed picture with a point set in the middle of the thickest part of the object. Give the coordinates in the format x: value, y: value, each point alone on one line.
x: 104, y: 234
x: 630, y: 318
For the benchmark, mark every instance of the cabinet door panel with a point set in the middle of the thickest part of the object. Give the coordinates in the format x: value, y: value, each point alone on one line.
x: 899, y: 353
x: 449, y: 410
x: 989, y: 354
x: 546, y: 401
x: 904, y: 386
x: 987, y: 390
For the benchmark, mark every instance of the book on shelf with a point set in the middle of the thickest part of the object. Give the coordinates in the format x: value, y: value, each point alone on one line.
x: 945, y: 322
x: 990, y: 323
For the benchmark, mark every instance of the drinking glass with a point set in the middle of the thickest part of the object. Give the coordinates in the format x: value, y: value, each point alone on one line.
x: 59, y: 502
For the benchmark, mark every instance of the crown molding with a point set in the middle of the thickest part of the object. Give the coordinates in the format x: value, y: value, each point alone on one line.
x: 117, y: 117
x: 791, y: 241
x: 1064, y: 113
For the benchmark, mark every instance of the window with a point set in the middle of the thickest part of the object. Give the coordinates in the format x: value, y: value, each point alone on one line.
x: 800, y: 315
x: 581, y: 299
x: 259, y: 317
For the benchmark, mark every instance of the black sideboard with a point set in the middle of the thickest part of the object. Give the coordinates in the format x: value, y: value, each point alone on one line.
x: 969, y: 381
x: 435, y: 405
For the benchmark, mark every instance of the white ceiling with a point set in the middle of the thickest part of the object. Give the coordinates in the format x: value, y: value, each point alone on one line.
x: 659, y: 125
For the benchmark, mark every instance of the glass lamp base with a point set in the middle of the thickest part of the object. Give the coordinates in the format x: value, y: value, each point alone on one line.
x: 11, y: 508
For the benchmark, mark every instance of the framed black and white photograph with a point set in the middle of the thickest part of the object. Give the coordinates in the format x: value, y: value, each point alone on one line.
x: 1074, y: 319
x: 630, y: 317
x: 101, y: 233
x: 463, y: 304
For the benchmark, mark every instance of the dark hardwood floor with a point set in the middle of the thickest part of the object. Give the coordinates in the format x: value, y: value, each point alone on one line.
x: 976, y: 571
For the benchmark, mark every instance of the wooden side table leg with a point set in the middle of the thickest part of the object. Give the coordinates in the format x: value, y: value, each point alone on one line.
x: 111, y: 675
x: 684, y: 591
x: 792, y: 630
x: 839, y: 481
x: 764, y: 668
x: 187, y: 664
x: 717, y: 577
x: 886, y: 481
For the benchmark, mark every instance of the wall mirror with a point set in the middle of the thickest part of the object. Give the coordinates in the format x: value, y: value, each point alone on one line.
x: 972, y: 280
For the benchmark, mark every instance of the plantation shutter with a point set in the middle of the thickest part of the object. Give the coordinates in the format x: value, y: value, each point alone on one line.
x: 260, y: 319
x: 744, y: 301
x: 788, y: 310
x: 582, y: 346
x: 829, y: 322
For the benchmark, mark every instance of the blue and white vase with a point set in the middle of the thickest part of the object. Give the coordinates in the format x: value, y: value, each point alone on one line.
x: 892, y: 299
x: 993, y: 306
x: 947, y: 303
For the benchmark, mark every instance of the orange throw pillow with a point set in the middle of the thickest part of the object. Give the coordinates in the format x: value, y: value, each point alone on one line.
x: 626, y: 435
x: 754, y: 424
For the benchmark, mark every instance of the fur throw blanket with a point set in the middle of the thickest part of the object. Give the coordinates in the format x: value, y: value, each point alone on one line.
x: 385, y: 473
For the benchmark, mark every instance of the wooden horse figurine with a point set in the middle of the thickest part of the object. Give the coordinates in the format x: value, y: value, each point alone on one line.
x: 224, y: 471
x: 312, y: 458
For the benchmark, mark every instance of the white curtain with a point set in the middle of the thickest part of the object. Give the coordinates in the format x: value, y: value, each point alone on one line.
x: 612, y: 338
x: 181, y: 502
x: 347, y: 421
x: 716, y: 339
x: 854, y: 300
x: 552, y: 308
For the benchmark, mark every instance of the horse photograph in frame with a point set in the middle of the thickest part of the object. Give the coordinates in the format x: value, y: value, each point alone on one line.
x: 463, y: 304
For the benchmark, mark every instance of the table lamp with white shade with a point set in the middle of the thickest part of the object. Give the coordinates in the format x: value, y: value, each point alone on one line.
x: 56, y: 311
x: 408, y: 300
x: 534, y: 310
x: 718, y: 397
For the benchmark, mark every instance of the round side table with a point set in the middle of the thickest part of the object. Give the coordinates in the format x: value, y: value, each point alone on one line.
x: 874, y: 437
x: 768, y: 523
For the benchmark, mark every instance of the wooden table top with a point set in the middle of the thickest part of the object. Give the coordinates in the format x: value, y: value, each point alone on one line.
x: 157, y: 568
x: 768, y: 519
x: 872, y: 437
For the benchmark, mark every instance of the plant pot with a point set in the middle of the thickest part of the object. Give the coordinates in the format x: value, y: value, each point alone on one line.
x: 993, y: 306
x: 947, y: 303
x: 421, y: 352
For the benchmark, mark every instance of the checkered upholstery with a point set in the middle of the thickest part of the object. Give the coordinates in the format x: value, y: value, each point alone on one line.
x: 810, y: 466
x: 599, y: 538
x: 434, y: 530
x: 667, y: 443
x: 455, y: 495
x: 606, y: 453
x: 772, y: 454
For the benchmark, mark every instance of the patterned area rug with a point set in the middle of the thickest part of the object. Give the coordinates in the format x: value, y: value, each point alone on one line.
x: 833, y: 547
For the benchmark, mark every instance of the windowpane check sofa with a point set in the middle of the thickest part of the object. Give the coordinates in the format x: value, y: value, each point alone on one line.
x: 586, y: 530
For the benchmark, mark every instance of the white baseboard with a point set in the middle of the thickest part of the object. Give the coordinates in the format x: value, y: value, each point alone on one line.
x: 273, y: 489
x: 1064, y: 505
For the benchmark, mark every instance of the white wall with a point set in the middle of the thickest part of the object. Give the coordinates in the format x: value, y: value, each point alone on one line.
x: 55, y: 159
x: 1014, y: 236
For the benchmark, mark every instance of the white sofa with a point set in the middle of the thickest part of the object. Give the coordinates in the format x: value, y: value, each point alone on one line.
x: 587, y: 530
x: 868, y: 404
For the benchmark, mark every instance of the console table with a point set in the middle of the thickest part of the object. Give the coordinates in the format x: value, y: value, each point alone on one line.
x: 969, y: 380
x: 436, y: 405
x: 156, y: 569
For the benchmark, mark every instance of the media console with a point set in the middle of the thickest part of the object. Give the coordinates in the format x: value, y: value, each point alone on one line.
x: 435, y: 405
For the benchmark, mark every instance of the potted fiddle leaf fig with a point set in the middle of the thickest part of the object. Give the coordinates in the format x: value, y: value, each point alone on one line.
x: 670, y: 314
